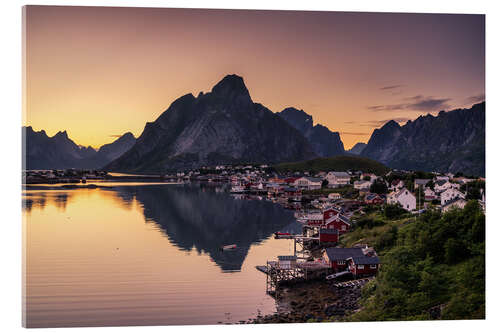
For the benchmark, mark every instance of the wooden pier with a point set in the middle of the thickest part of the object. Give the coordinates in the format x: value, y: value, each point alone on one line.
x: 278, y: 274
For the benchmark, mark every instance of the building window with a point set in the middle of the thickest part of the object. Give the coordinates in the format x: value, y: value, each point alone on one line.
x: 361, y: 266
x: 373, y: 266
x: 340, y: 262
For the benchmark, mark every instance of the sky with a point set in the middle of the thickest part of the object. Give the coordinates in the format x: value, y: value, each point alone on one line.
x: 98, y: 72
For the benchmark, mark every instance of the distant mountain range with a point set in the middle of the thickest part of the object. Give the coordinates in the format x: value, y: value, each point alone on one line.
x: 219, y: 127
x: 449, y: 142
x: 224, y: 126
x: 357, y: 149
x: 60, y: 152
x: 324, y: 142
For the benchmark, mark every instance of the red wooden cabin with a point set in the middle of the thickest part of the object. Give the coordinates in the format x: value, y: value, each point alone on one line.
x: 339, y: 222
x: 337, y: 257
x: 328, y: 235
x: 363, y: 265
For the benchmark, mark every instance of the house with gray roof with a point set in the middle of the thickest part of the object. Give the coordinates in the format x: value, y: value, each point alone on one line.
x: 338, y: 179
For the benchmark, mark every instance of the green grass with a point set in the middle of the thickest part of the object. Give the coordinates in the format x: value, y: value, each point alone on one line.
x: 336, y: 163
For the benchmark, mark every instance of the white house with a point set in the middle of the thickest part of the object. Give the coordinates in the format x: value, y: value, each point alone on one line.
x: 336, y: 179
x: 308, y: 183
x: 455, y: 203
x: 451, y: 194
x: 429, y: 194
x: 403, y: 197
x: 441, y: 185
x: 362, y: 184
x: 396, y: 185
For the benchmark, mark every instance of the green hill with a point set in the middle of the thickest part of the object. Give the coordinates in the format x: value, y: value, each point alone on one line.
x: 336, y: 163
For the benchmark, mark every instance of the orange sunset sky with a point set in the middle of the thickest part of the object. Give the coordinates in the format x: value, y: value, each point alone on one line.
x: 99, y: 72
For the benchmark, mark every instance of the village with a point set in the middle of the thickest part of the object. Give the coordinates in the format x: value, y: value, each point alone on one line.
x: 330, y: 207
x: 326, y: 204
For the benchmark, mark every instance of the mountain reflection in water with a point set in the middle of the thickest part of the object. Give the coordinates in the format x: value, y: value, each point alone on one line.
x: 200, y: 217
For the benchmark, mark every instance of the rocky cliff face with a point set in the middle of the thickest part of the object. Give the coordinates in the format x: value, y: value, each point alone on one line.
x: 60, y: 152
x: 449, y: 142
x: 324, y: 142
x: 222, y: 126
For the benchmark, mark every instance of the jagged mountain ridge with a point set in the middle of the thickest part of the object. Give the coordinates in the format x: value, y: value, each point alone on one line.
x: 219, y: 127
x: 41, y: 152
x: 324, y: 142
x: 449, y: 142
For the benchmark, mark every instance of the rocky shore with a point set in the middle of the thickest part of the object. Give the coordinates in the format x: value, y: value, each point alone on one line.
x: 312, y: 301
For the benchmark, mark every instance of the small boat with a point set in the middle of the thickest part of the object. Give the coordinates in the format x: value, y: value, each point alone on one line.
x: 282, y: 233
x: 228, y: 247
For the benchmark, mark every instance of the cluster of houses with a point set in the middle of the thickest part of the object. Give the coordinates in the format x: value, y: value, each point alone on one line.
x: 445, y: 191
x: 442, y: 191
x: 60, y: 176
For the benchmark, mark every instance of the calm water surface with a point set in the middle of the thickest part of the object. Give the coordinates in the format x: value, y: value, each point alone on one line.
x: 147, y: 254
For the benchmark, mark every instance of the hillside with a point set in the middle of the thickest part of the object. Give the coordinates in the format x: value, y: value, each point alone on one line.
x: 432, y: 268
x: 336, y: 163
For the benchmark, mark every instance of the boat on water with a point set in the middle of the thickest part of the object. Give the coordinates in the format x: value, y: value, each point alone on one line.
x: 228, y: 247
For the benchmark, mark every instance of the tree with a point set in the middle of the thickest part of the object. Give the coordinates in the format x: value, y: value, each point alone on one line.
x: 392, y: 212
x: 379, y: 187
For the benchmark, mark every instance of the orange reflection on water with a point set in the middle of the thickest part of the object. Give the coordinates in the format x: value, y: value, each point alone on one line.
x: 95, y: 262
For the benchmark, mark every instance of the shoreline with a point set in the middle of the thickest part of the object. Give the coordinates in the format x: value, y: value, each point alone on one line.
x: 312, y: 301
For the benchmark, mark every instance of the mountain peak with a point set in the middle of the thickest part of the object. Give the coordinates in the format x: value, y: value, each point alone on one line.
x: 231, y: 86
x: 61, y: 134
x: 391, y: 124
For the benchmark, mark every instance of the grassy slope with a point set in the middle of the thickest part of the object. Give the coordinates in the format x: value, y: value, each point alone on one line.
x: 436, y: 261
x: 336, y: 163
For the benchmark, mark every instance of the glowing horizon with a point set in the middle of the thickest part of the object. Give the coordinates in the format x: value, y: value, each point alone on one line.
x: 98, y: 72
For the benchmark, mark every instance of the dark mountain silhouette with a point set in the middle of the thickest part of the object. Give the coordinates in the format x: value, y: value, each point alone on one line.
x: 357, y: 148
x: 324, y: 142
x: 449, y: 142
x: 198, y: 216
x: 222, y: 126
x: 60, y: 152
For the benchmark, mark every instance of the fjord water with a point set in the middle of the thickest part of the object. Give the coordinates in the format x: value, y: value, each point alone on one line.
x: 147, y: 254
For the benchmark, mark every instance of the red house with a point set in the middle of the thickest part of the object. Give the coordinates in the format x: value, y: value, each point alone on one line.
x: 361, y: 266
x: 330, y: 213
x: 374, y: 199
x: 339, y: 222
x: 337, y: 257
x: 328, y: 235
